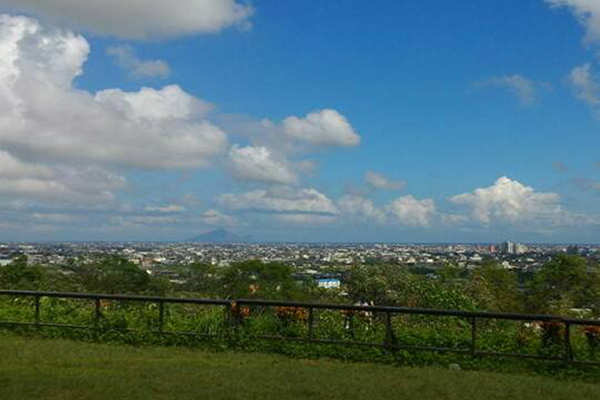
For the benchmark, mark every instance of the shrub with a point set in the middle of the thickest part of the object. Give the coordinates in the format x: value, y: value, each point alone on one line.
x: 592, y: 334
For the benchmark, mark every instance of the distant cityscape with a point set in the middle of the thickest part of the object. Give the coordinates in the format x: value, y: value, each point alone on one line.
x: 324, y: 262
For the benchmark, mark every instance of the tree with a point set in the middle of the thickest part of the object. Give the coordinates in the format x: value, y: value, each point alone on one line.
x: 451, y: 273
x: 390, y: 285
x: 115, y: 275
x: 18, y: 275
x: 255, y: 279
x: 495, y: 288
x: 563, y: 283
x: 201, y: 278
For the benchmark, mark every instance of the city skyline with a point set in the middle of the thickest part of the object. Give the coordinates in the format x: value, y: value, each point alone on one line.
x: 297, y: 122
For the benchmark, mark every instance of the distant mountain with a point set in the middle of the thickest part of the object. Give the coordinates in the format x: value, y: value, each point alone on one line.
x: 219, y: 236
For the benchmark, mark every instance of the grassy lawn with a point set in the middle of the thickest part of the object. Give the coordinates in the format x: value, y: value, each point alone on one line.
x: 57, y: 369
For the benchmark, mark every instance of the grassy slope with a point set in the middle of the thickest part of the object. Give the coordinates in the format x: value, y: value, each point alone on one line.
x: 56, y: 369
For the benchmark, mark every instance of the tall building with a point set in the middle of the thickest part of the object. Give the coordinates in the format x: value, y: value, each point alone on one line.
x: 521, y: 248
x: 507, y: 247
x: 512, y: 248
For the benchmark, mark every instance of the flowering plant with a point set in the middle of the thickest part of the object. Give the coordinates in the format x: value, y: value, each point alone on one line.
x: 292, y: 313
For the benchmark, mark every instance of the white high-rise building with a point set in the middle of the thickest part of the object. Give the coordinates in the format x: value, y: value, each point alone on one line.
x: 507, y: 247
x: 512, y: 248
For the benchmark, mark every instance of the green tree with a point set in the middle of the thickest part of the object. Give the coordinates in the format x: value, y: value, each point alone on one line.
x: 19, y: 276
x: 115, y: 275
x: 390, y: 285
x: 495, y: 289
x: 451, y: 273
x: 565, y: 282
x: 201, y: 278
x: 255, y: 279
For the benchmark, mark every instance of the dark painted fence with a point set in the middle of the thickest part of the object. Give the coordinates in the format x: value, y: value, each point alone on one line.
x: 233, y: 307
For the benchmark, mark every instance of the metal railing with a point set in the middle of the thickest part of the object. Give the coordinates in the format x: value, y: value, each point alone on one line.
x: 232, y: 308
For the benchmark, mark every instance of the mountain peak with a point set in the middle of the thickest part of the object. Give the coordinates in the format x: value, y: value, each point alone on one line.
x: 219, y: 236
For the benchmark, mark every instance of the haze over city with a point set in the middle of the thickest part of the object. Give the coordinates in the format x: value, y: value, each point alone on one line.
x: 385, y: 121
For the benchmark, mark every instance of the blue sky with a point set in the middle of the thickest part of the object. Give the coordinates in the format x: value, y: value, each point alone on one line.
x: 309, y: 121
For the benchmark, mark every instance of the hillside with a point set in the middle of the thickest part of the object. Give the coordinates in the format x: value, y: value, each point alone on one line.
x: 56, y: 369
x: 219, y: 236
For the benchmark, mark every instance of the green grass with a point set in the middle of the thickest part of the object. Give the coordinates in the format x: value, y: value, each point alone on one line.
x: 59, y: 369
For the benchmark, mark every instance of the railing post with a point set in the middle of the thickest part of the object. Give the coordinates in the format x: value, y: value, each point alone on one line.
x: 37, y: 310
x: 568, y: 349
x: 311, y: 323
x: 390, y: 338
x: 97, y: 313
x: 161, y: 316
x: 473, y: 336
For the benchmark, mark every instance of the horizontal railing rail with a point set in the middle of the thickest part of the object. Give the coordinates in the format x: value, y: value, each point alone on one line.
x: 233, y: 306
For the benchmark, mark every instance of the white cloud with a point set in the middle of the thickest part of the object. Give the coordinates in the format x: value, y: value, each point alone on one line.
x: 585, y: 85
x: 154, y: 106
x: 453, y: 219
x: 324, y: 127
x: 510, y: 202
x: 306, y: 219
x: 139, y: 19
x: 189, y: 200
x: 378, y: 181
x: 64, y: 185
x: 217, y: 218
x: 259, y: 164
x: 12, y: 168
x: 407, y: 210
x: 58, y: 218
x: 126, y: 58
x: 280, y: 199
x: 43, y: 117
x: 169, y: 208
x: 586, y: 11
x: 524, y: 89
x: 139, y: 221
x: 361, y: 208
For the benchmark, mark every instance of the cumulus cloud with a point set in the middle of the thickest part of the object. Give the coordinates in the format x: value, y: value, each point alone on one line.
x: 410, y: 211
x: 12, y: 168
x: 586, y: 11
x: 139, y: 19
x: 508, y: 202
x: 453, y: 219
x: 42, y: 116
x: 526, y: 90
x: 280, y: 199
x: 65, y: 185
x: 324, y: 127
x: 586, y: 85
x: 378, y: 181
x: 361, y: 208
x: 125, y: 57
x: 259, y: 164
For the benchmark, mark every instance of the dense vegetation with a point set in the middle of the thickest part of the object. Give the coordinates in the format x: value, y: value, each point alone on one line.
x: 567, y: 284
x: 560, y: 286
